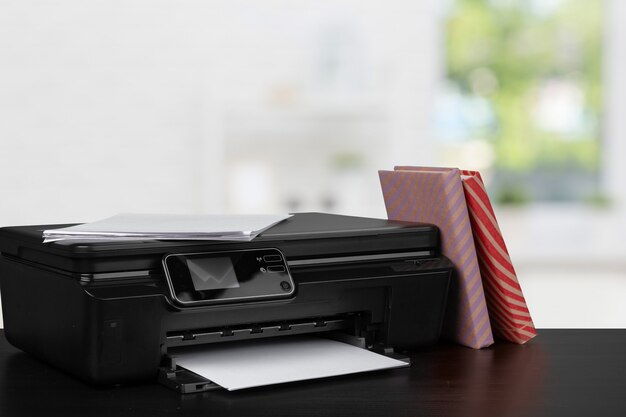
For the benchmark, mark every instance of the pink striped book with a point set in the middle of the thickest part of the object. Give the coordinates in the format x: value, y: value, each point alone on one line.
x: 435, y: 195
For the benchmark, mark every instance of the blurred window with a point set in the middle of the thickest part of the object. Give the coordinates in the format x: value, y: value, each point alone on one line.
x: 523, y: 96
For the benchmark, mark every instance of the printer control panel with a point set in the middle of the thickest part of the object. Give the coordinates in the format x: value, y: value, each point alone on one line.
x: 232, y: 276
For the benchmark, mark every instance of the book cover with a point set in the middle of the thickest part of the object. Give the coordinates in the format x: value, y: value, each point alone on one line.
x: 435, y: 195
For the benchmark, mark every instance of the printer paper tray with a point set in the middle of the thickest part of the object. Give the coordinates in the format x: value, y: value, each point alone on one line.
x: 186, y: 381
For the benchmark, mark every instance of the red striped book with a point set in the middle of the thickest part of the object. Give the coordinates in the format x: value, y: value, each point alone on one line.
x: 508, y: 312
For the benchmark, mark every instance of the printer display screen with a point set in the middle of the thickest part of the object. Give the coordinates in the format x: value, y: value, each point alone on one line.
x: 230, y: 276
x: 212, y: 273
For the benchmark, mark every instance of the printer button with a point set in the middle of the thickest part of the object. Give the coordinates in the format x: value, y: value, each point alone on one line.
x: 272, y: 258
x: 275, y: 268
x: 285, y: 285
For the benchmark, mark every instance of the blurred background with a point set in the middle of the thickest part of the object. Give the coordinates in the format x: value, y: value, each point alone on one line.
x: 268, y: 106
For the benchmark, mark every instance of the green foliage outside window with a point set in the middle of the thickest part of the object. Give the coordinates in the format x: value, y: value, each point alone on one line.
x: 538, y: 66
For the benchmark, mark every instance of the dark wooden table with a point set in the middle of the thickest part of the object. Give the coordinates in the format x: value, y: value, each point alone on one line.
x: 560, y: 373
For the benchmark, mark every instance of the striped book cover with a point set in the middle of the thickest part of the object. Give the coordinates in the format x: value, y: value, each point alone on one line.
x: 508, y: 312
x: 435, y: 195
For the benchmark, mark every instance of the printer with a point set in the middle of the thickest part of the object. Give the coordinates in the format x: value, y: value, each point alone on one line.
x: 114, y: 312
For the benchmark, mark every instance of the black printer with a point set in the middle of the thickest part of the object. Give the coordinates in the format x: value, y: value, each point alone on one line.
x: 112, y: 312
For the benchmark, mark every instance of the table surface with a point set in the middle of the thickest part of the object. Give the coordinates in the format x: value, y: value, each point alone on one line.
x: 559, y: 373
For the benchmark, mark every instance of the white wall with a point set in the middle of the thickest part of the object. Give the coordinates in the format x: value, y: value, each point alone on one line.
x: 100, y: 108
x: 139, y: 105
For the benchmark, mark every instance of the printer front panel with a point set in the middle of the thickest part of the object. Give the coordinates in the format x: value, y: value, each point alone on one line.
x: 397, y: 304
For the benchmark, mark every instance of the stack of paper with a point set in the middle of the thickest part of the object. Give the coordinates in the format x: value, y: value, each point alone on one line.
x: 168, y: 227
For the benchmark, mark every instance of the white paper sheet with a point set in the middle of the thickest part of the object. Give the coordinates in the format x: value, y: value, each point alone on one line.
x: 134, y: 226
x: 239, y: 365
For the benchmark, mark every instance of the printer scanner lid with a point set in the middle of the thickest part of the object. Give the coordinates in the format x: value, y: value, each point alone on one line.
x: 304, y: 235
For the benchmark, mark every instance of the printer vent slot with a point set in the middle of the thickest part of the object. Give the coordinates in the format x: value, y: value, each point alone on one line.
x: 259, y: 330
x: 359, y: 259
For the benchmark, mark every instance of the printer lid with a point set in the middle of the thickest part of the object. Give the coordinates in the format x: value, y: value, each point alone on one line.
x: 303, y: 235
